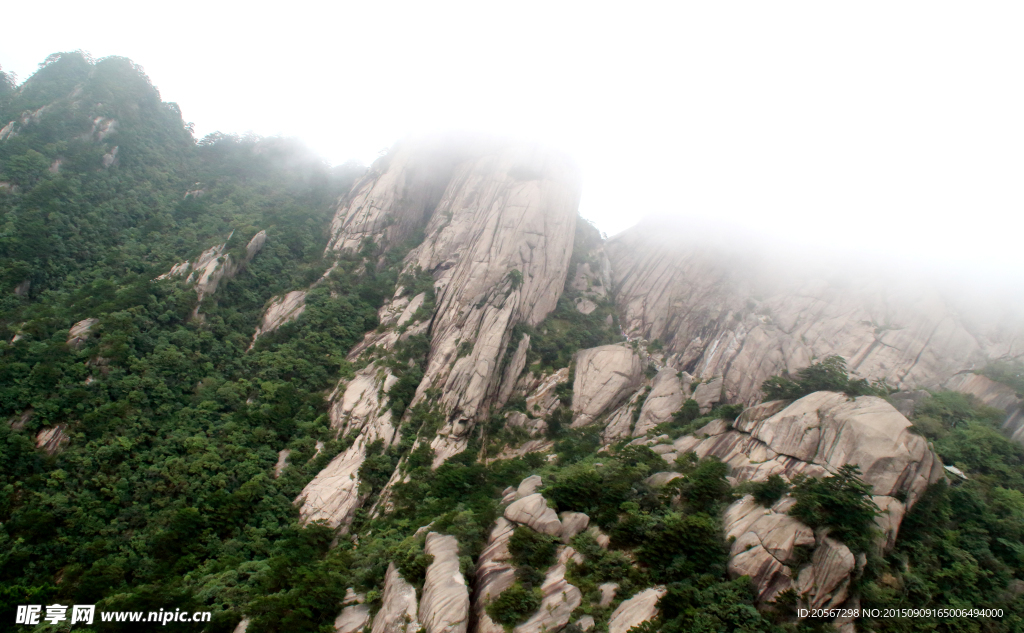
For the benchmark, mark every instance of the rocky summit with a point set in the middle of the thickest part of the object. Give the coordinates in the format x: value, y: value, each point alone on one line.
x: 427, y: 395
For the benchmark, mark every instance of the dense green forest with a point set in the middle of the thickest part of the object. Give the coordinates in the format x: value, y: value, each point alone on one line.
x: 164, y: 495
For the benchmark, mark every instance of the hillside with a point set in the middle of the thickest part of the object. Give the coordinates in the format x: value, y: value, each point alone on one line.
x: 428, y: 394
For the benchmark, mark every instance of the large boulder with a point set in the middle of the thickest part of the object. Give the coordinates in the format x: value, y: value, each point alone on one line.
x: 666, y: 397
x: 444, y: 607
x: 815, y: 435
x: 398, y: 605
x: 533, y: 510
x: 559, y: 600
x: 604, y: 376
x: 637, y: 610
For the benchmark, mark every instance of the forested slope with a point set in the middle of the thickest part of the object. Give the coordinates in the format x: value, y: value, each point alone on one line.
x: 234, y: 379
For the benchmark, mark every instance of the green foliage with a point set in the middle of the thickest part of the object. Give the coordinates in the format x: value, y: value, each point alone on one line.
x: 768, y: 492
x: 1009, y: 373
x: 514, y: 605
x: 827, y: 375
x: 840, y: 502
x: 566, y: 330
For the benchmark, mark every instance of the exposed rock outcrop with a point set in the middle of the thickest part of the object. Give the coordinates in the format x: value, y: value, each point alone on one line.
x: 79, y: 333
x: 352, y: 619
x: 52, y: 439
x: 559, y: 600
x: 745, y: 316
x: 815, y: 435
x: 604, y: 376
x: 360, y: 407
x: 214, y: 265
x: 445, y: 604
x: 637, y: 610
x: 533, y: 510
x: 993, y: 394
x: 280, y: 311
x: 398, y: 605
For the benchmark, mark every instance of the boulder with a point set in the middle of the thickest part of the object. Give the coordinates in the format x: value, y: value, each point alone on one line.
x: 352, y: 619
x: 638, y: 609
x: 280, y: 311
x: 604, y: 376
x: 494, y: 574
x: 572, y: 524
x: 657, y: 480
x: 533, y: 510
x: 528, y: 486
x: 398, y: 605
x: 666, y: 397
x: 282, y: 461
x: 52, y: 439
x: 559, y: 600
x: 79, y: 333
x: 608, y: 591
x: 444, y: 607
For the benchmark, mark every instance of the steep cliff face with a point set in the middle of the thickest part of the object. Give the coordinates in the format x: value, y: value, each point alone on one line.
x: 499, y: 228
x: 745, y: 317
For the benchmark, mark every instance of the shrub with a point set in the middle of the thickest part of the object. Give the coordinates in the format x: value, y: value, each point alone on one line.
x: 841, y: 502
x: 770, y: 491
x: 514, y: 605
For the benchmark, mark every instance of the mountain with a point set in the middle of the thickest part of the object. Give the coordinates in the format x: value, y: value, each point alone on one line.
x: 428, y: 394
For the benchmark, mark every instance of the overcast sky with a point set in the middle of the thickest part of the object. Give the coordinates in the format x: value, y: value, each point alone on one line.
x: 892, y: 128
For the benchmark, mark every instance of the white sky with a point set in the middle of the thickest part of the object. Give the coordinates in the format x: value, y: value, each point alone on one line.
x: 892, y: 128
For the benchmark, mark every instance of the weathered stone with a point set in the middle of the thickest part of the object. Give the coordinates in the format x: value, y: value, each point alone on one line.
x: 242, y: 626
x: 559, y: 600
x: 572, y: 524
x: 444, y: 607
x: 825, y: 582
x: 528, y: 486
x: 398, y: 605
x: 657, y: 480
x: 333, y: 495
x: 708, y: 394
x: 666, y: 396
x: 638, y: 609
x: 533, y: 510
x: 280, y: 311
x: 604, y: 376
x: 352, y: 619
x: 586, y: 623
x: 282, y: 461
x: 494, y: 574
x: 608, y: 591
x: 80, y: 332
x: 52, y: 439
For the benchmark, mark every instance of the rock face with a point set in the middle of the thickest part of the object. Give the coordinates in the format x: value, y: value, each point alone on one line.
x: 637, y: 610
x: 559, y: 600
x: 666, y: 397
x: 79, y: 333
x: 533, y: 510
x: 495, y: 572
x: 360, y: 407
x: 993, y: 394
x: 604, y: 376
x: 52, y: 439
x: 814, y: 435
x: 499, y: 223
x: 280, y: 311
x: 352, y: 619
x: 745, y: 317
x: 398, y: 606
x: 445, y: 604
x: 214, y: 266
